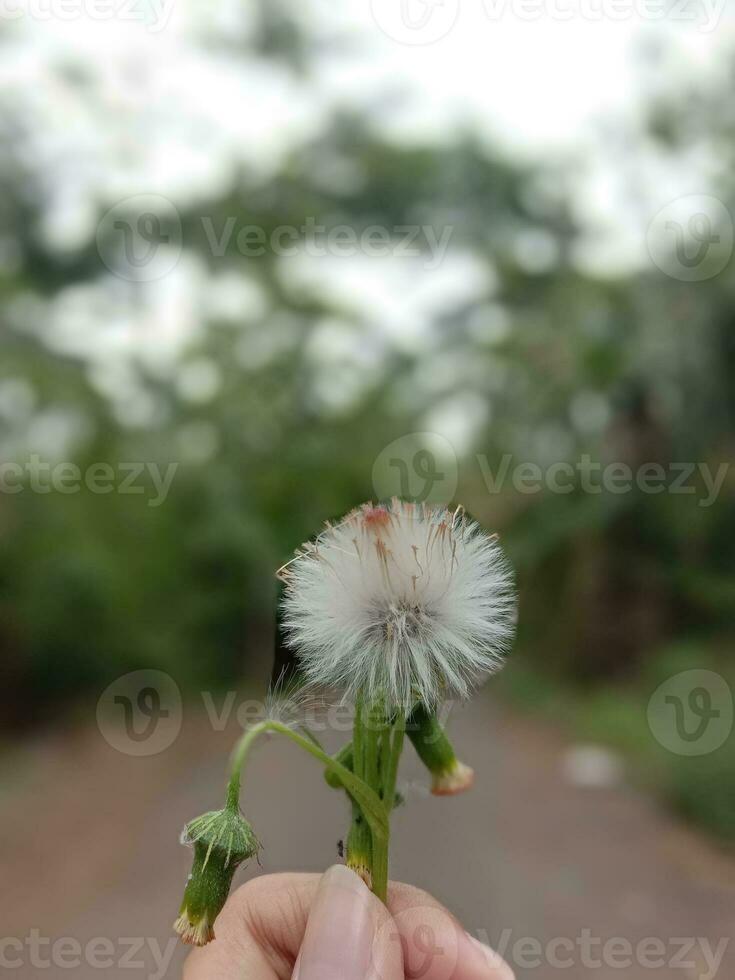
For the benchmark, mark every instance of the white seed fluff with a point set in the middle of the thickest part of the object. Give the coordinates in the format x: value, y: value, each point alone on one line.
x: 403, y: 602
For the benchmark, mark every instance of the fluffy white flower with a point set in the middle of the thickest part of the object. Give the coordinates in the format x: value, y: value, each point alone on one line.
x: 402, y: 602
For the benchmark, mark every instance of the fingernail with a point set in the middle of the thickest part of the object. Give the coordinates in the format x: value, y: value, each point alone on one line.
x: 339, y: 934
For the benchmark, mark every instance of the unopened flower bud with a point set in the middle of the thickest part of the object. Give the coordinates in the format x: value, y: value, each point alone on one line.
x: 452, y: 781
x: 449, y: 776
x: 222, y: 840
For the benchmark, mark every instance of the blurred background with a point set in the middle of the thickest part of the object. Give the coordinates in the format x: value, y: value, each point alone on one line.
x: 260, y: 262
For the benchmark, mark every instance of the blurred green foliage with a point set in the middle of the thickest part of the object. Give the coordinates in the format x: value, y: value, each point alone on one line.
x: 93, y: 585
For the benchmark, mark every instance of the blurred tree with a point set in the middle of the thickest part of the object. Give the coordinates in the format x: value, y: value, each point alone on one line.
x: 277, y: 407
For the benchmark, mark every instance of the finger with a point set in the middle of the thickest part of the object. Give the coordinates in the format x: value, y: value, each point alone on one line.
x: 348, y: 935
x: 258, y: 932
x: 262, y: 926
x: 334, y: 920
x: 434, y: 944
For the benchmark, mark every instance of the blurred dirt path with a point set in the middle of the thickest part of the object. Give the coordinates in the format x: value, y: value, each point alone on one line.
x: 89, y: 851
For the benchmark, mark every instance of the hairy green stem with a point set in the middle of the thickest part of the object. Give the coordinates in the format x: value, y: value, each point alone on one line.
x: 394, y: 758
x: 370, y: 782
x: 375, y: 722
x: 360, y: 845
x: 365, y: 796
x: 345, y: 756
x: 377, y: 746
x: 358, y: 764
x: 380, y: 868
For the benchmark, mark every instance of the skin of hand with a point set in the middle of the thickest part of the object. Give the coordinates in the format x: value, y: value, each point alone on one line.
x: 331, y: 927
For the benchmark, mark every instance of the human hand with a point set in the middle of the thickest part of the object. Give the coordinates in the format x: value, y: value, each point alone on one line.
x: 331, y: 927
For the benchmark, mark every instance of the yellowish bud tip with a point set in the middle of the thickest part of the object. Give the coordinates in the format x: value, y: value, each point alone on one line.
x: 453, y: 781
x: 198, y: 934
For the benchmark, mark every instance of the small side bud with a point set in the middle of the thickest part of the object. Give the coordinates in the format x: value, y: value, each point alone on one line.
x: 449, y: 776
x: 455, y: 780
x: 222, y: 840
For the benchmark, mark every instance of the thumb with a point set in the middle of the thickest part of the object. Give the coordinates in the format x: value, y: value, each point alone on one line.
x: 345, y: 936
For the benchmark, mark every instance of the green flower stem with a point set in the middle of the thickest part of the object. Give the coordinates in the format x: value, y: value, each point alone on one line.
x: 359, y: 845
x: 380, y: 751
x: 392, y: 745
x: 359, y: 838
x: 385, y: 750
x: 380, y: 868
x: 376, y: 750
x: 430, y: 741
x: 358, y: 764
x: 394, y: 758
x: 375, y: 724
x: 365, y: 796
x: 345, y: 756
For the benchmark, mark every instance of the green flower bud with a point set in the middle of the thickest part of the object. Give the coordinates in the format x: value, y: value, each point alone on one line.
x: 449, y: 775
x: 222, y: 840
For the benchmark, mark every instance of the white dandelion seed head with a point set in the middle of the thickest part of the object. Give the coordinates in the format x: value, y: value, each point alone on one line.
x: 403, y: 602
